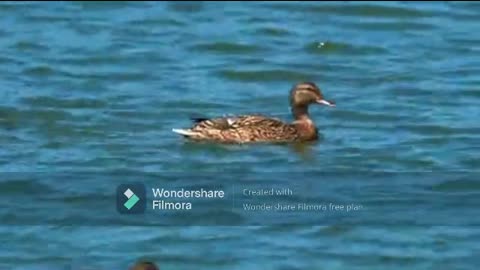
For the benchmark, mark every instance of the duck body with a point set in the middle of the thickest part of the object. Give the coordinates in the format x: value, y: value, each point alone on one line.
x: 257, y: 128
x: 249, y: 129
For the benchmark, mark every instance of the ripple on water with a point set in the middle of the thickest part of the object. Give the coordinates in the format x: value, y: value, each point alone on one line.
x: 53, y: 123
x: 265, y: 75
x: 367, y: 117
x: 433, y: 141
x: 432, y: 130
x: 158, y: 22
x: 198, y: 105
x: 8, y: 117
x: 224, y: 217
x: 333, y: 230
x: 186, y: 7
x: 22, y: 186
x: 104, y: 5
x: 30, y: 46
x: 390, y: 26
x: 74, y: 103
x: 377, y: 10
x: 14, y: 5
x: 460, y: 185
x: 39, y: 71
x: 473, y: 163
x: 273, y: 31
x: 103, y: 59
x: 343, y: 49
x: 408, y: 91
x: 47, y: 18
x: 106, y: 98
x: 39, y: 114
x: 227, y: 48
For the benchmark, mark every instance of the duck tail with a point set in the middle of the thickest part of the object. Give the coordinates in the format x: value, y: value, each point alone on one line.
x: 185, y: 132
x: 198, y: 119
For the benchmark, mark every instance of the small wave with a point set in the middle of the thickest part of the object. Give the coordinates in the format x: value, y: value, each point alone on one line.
x: 363, y: 10
x: 367, y: 117
x: 227, y: 48
x: 343, y: 48
x: 273, y: 31
x: 390, y: 26
x: 76, y: 103
x: 93, y: 59
x: 47, y: 18
x: 158, y: 22
x: 186, y: 7
x: 19, y: 185
x: 39, y: 71
x: 265, y: 75
x: 461, y: 185
x: 30, y: 46
x: 431, y: 129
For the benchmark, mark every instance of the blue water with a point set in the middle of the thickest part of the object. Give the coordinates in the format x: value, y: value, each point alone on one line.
x: 95, y: 88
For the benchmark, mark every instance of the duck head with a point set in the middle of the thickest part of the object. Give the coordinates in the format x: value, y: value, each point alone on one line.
x: 302, y: 95
x: 145, y: 265
x: 306, y: 93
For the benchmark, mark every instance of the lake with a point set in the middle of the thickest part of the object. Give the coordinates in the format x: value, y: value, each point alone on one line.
x: 90, y: 93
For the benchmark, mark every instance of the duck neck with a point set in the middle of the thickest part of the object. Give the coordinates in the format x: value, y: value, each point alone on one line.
x: 303, y: 123
x: 300, y: 112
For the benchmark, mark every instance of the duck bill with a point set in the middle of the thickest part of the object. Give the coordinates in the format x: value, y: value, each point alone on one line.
x: 326, y: 102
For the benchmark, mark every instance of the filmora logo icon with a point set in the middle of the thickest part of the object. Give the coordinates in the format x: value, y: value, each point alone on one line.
x: 131, y: 198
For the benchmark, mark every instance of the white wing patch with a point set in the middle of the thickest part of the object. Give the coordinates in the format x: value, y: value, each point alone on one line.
x: 230, y: 121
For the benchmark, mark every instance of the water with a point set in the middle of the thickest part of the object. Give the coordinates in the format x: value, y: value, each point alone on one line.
x: 89, y: 88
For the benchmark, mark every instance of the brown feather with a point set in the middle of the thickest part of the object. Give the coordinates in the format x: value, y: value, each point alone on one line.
x: 245, y: 128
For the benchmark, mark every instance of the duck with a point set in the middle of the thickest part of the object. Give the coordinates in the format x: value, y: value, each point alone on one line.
x: 145, y: 265
x: 258, y: 128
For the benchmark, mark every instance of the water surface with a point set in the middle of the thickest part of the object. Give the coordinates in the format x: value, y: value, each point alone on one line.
x: 95, y: 87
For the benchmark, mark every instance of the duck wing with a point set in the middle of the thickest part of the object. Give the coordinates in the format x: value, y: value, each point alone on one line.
x: 221, y: 123
x: 242, y: 129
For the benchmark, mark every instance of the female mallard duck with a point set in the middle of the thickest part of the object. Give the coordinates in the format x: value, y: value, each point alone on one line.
x: 258, y: 128
x: 145, y: 266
